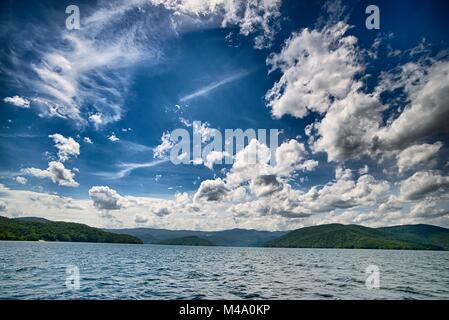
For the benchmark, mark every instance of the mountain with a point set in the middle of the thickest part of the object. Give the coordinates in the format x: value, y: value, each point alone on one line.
x: 34, y: 229
x: 359, y: 237
x: 421, y: 233
x: 232, y: 237
x: 32, y: 219
x: 411, y: 237
x: 187, y: 241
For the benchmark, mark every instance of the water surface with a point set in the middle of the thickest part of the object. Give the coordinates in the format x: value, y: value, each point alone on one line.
x: 37, y: 270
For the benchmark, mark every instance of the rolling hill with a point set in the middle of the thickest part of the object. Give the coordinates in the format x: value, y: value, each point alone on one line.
x: 420, y: 233
x: 407, y: 237
x: 353, y: 237
x: 232, y: 237
x: 34, y: 229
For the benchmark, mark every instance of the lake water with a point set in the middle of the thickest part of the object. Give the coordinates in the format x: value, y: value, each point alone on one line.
x: 36, y: 270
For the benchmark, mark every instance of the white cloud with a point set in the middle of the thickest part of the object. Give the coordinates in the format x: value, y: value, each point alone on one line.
x: 140, y: 219
x: 290, y: 157
x: 429, y: 208
x: 87, y: 140
x: 105, y: 198
x: 317, y: 67
x: 423, y: 183
x: 162, y: 211
x: 21, y: 180
x: 415, y: 155
x: 265, y: 185
x: 349, y: 127
x: 428, y: 110
x: 250, y: 163
x: 211, y: 190
x: 17, y: 101
x: 96, y: 119
x: 3, y: 206
x: 320, y: 73
x: 161, y: 150
x: 200, y: 129
x: 214, y: 157
x: 77, y: 73
x: 345, y: 193
x: 210, y: 87
x: 252, y: 16
x: 67, y: 147
x: 204, y: 130
x: 113, y: 138
x: 124, y: 169
x: 364, y: 170
x: 56, y: 172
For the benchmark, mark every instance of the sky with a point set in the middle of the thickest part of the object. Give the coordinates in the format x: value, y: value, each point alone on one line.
x: 86, y: 114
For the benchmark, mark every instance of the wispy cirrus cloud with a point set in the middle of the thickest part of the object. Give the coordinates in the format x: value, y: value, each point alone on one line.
x: 124, y: 169
x: 84, y: 75
x: 213, y: 86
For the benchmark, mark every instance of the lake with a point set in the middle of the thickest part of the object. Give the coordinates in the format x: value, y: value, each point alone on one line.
x: 37, y: 270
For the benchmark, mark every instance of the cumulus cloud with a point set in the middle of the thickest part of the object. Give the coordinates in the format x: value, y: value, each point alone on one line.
x: 429, y: 208
x: 423, y: 183
x: 105, y: 198
x: 428, y: 110
x: 211, y: 190
x: 214, y: 157
x: 345, y: 193
x: 290, y: 157
x: 349, y: 128
x: 140, y: 219
x: 56, y: 172
x: 321, y: 72
x: 415, y: 155
x: 96, y: 119
x: 265, y: 185
x: 249, y: 163
x: 317, y: 66
x: 108, y: 201
x: 17, y: 101
x: 273, y: 195
x: 161, y: 150
x: 162, y: 211
x: 67, y: 147
x: 21, y: 180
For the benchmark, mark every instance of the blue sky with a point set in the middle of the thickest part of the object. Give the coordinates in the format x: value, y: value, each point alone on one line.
x: 361, y: 113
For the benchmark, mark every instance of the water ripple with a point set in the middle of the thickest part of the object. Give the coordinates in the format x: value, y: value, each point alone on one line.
x: 32, y: 270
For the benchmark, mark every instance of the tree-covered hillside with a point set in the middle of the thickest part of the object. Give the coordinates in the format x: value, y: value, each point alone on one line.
x: 34, y: 229
x: 346, y: 236
x: 187, y: 241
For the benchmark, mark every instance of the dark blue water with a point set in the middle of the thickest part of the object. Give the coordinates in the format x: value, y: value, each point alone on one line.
x: 34, y: 270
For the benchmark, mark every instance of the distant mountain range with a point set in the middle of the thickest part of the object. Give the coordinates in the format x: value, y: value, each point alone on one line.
x: 35, y: 229
x: 416, y: 237
x: 407, y: 237
x: 231, y: 238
